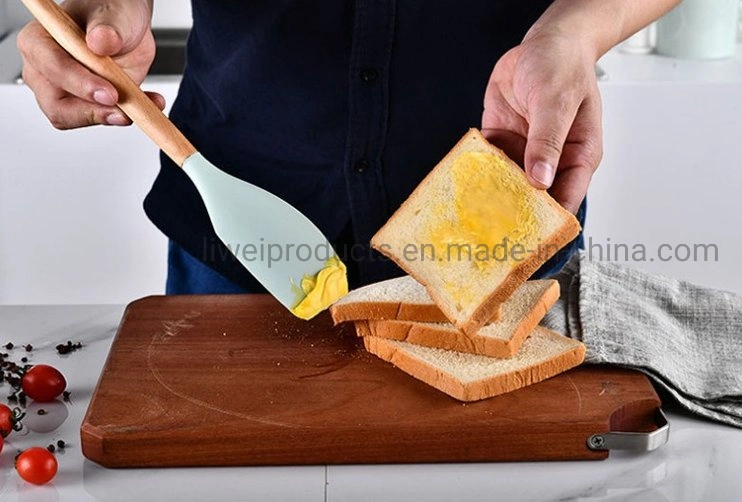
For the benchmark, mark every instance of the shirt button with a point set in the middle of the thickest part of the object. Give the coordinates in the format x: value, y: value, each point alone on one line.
x: 361, y: 166
x: 369, y: 75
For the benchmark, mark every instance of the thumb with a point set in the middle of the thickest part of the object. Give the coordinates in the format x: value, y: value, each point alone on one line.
x: 115, y: 28
x: 548, y: 128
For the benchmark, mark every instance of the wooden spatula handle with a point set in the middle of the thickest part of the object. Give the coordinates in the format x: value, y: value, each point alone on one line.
x: 132, y: 100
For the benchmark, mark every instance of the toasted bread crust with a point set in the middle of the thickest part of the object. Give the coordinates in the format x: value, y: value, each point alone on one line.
x: 362, y: 328
x: 481, y: 389
x: 450, y: 338
x: 387, y: 310
x: 392, y: 311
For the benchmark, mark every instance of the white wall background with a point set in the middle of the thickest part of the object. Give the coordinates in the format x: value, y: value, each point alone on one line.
x: 672, y: 171
x: 672, y: 175
x: 72, y: 227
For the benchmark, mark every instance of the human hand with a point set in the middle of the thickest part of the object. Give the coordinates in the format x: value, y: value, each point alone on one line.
x: 68, y: 93
x: 542, y: 107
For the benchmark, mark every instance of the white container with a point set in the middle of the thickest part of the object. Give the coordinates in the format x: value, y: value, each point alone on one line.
x: 641, y: 42
x: 699, y: 29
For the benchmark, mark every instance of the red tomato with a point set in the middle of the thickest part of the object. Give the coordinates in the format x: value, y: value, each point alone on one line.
x: 6, y: 422
x: 43, y: 383
x: 36, y: 465
x: 2, y: 442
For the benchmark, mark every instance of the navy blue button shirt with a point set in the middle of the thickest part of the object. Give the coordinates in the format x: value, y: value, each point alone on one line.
x: 339, y: 107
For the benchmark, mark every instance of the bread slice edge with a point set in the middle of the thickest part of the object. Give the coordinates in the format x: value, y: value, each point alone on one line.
x: 451, y: 338
x: 480, y: 389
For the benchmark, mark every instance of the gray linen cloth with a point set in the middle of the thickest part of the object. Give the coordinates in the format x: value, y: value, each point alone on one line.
x: 686, y: 338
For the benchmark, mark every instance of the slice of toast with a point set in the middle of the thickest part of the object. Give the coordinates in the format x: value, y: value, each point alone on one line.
x: 474, y: 230
x: 471, y: 377
x: 521, y: 313
x: 402, y: 298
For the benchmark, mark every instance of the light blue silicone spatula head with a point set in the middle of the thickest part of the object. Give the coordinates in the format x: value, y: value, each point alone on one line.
x: 272, y: 239
x: 244, y: 216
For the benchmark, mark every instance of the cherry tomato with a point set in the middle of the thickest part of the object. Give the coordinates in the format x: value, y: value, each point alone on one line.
x: 6, y: 422
x: 10, y: 420
x: 43, y: 383
x: 36, y: 465
x: 2, y: 443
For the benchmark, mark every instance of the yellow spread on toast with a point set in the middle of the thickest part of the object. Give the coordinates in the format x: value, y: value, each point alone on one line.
x: 491, y: 214
x: 321, y: 290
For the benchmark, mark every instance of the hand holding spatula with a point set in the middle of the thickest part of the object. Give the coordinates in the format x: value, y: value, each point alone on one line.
x: 241, y: 213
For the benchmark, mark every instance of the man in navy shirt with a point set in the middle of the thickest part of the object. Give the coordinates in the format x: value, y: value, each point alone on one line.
x: 341, y: 107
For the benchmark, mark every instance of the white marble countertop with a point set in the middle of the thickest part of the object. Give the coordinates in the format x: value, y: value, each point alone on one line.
x: 701, y: 462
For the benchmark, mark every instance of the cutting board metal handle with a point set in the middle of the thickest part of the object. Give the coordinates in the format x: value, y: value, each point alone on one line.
x: 132, y: 100
x: 633, y: 441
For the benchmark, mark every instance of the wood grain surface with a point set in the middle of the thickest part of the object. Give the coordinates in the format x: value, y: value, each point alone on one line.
x: 237, y: 380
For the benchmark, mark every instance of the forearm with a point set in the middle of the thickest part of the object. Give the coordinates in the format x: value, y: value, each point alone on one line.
x: 600, y: 24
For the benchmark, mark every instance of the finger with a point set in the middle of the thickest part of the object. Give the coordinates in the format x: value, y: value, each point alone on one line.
x: 42, y: 53
x: 550, y: 119
x: 570, y: 186
x: 503, y: 126
x: 581, y: 155
x: 114, y: 28
x: 499, y: 113
x: 511, y: 143
x: 65, y: 111
x: 157, y: 98
x: 585, y: 140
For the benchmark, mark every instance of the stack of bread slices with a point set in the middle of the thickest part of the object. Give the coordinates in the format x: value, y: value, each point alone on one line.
x: 468, y: 326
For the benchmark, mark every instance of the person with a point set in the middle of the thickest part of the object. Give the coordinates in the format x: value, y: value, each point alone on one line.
x: 341, y: 107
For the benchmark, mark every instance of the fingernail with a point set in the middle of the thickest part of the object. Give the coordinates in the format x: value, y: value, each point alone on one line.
x: 102, y: 97
x: 116, y: 119
x: 543, y: 173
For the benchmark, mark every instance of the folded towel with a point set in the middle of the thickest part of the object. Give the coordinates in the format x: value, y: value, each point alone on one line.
x: 686, y: 338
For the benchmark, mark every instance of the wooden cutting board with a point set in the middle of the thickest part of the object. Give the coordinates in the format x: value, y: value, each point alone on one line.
x: 237, y: 380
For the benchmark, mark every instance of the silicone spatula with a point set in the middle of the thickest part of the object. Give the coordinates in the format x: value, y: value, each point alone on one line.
x: 242, y: 214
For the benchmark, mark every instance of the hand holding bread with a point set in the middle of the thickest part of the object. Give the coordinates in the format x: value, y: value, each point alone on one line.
x: 542, y: 106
